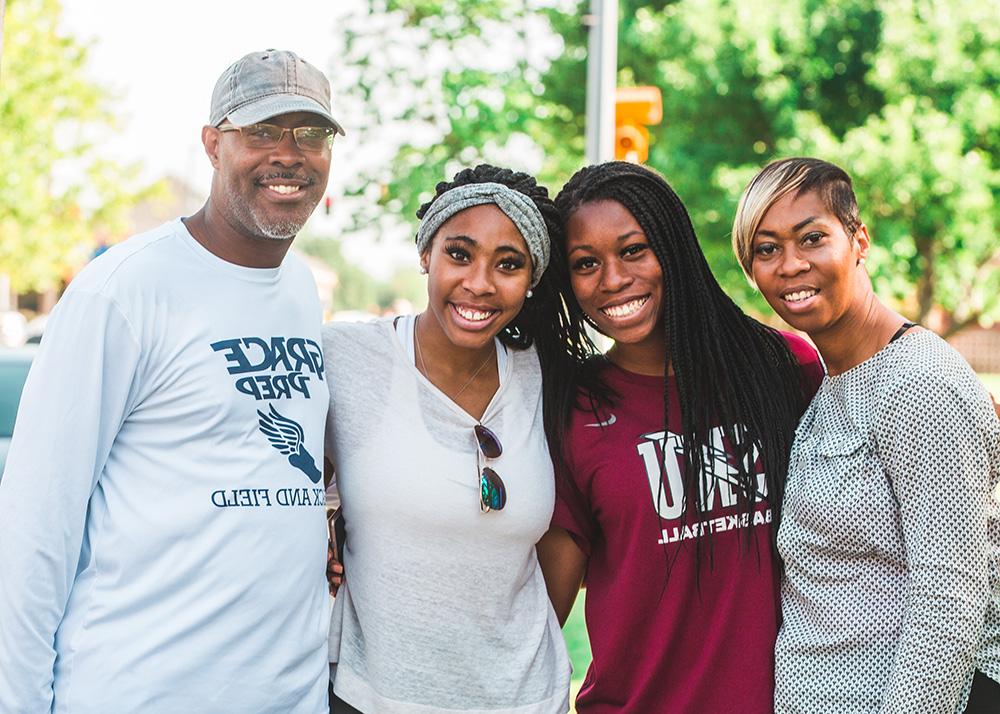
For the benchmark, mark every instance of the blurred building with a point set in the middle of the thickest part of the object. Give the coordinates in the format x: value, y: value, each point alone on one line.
x: 980, y: 346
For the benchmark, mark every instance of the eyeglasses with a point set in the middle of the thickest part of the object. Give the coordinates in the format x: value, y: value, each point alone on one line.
x: 268, y: 136
x: 492, y: 492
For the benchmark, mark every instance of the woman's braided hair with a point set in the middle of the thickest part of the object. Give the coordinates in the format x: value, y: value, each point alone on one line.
x: 544, y: 321
x: 731, y: 371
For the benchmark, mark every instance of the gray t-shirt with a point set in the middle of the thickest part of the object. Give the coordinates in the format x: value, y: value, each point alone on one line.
x: 443, y: 607
x: 891, y: 539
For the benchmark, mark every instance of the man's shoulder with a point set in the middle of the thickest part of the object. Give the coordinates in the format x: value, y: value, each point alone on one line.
x: 132, y: 261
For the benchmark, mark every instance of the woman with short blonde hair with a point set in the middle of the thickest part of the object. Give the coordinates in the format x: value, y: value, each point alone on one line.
x: 890, y: 531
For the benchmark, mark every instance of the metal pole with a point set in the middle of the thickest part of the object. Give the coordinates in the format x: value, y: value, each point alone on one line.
x: 602, y: 70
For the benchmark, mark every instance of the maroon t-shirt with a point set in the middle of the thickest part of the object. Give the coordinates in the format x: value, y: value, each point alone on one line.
x: 701, y: 640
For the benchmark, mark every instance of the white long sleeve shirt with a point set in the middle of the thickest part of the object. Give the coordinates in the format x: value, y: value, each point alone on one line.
x: 162, y: 545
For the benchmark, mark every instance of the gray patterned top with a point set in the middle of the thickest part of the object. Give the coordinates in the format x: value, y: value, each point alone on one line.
x: 890, y: 535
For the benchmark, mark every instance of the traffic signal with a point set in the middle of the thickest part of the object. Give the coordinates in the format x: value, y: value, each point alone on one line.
x: 635, y: 109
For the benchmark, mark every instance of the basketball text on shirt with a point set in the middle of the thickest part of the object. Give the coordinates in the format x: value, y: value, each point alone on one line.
x: 718, y: 487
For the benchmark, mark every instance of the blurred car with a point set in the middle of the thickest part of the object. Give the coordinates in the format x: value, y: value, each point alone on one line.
x: 14, y: 365
x: 34, y: 329
x: 13, y: 328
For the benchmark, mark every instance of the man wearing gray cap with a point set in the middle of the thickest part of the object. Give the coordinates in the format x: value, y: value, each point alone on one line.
x: 164, y: 542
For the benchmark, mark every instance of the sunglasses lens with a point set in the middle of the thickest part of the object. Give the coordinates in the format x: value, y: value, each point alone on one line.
x: 488, y: 442
x: 493, y: 494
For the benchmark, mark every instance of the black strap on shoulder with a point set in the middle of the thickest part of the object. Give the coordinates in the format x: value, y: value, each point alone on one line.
x: 901, y: 331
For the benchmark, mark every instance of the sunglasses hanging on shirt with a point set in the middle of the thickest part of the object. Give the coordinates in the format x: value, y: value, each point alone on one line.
x: 492, y: 492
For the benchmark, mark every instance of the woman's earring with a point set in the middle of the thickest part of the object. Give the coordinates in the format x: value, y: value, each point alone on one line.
x: 861, y: 261
x: 423, y: 270
x: 529, y: 293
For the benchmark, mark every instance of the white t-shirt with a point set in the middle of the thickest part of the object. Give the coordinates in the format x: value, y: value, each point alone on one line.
x: 443, y: 607
x: 163, y: 540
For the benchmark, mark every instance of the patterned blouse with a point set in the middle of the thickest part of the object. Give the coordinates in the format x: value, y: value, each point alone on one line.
x: 890, y: 535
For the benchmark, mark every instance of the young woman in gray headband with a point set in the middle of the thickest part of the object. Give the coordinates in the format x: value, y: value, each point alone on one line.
x: 436, y: 434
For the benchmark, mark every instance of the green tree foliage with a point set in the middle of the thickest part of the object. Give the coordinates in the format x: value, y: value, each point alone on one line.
x: 902, y: 93
x: 57, y: 196
x: 357, y: 290
x: 440, y: 84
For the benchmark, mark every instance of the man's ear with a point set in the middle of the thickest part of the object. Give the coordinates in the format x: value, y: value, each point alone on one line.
x: 210, y: 137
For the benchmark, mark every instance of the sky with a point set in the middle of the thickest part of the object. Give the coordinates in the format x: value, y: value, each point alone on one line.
x: 160, y: 60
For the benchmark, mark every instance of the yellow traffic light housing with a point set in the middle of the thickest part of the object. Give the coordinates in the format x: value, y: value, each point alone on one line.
x: 635, y: 109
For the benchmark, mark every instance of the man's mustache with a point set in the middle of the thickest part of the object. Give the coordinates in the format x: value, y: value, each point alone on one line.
x: 305, y: 179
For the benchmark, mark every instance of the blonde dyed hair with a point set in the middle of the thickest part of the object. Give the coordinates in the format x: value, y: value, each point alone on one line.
x: 777, y: 180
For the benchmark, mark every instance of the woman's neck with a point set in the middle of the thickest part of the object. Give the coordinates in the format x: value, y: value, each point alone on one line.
x: 469, y: 377
x: 860, y: 334
x: 648, y: 357
x: 443, y: 356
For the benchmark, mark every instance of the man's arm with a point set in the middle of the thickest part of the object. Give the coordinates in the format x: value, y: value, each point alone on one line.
x: 74, y: 402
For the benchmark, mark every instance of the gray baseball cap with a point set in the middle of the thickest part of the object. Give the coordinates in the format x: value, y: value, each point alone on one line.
x: 262, y: 85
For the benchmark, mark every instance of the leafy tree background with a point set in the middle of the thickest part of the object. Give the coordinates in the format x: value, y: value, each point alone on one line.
x: 56, y: 192
x: 902, y: 93
x: 356, y: 289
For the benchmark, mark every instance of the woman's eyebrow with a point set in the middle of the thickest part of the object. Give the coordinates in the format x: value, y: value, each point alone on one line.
x: 797, y: 227
x: 462, y: 238
x: 623, y: 236
x: 506, y: 248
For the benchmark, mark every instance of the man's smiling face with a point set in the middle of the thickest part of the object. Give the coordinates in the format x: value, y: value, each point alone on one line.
x: 270, y: 193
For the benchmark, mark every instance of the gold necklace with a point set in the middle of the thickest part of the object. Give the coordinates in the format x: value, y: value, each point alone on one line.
x: 420, y: 356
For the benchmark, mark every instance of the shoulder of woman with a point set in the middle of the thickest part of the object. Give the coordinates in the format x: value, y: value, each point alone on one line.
x: 801, y: 348
x: 525, y: 358
x: 348, y: 343
x: 347, y: 332
x: 810, y: 365
x: 923, y: 357
x: 933, y: 380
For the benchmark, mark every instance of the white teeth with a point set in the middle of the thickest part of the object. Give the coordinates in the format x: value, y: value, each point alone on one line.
x: 800, y: 295
x: 285, y: 190
x: 476, y: 315
x: 625, y: 309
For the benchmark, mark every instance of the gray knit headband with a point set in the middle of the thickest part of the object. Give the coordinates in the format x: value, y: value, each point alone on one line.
x: 516, y: 206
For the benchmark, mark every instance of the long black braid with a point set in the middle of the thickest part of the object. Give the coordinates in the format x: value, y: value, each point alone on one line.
x: 544, y: 321
x: 730, y: 370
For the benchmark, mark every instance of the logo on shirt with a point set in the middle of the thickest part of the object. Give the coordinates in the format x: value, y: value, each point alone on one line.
x: 607, y: 422
x: 287, y: 437
x: 275, y: 368
x: 662, y: 453
x: 272, y: 369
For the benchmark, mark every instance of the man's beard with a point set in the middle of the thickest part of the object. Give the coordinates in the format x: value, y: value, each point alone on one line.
x: 249, y: 214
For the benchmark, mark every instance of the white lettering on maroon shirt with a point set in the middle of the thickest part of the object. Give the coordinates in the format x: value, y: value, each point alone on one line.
x: 719, y: 485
